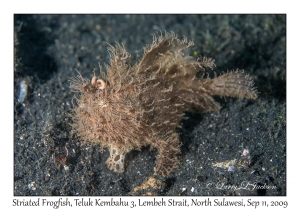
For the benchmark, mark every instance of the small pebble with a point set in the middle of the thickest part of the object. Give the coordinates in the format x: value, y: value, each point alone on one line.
x: 23, y: 91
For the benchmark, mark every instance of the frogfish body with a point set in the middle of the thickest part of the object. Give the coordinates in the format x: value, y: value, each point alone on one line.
x: 141, y: 105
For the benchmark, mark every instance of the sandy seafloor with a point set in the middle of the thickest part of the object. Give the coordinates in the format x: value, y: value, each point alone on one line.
x: 48, y: 160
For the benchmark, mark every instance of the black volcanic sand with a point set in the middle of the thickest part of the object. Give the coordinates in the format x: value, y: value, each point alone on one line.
x: 48, y: 160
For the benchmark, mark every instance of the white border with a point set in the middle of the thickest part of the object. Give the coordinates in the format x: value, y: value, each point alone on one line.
x: 153, y: 6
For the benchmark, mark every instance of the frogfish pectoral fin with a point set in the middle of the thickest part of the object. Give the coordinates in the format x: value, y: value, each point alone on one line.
x: 115, y: 162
